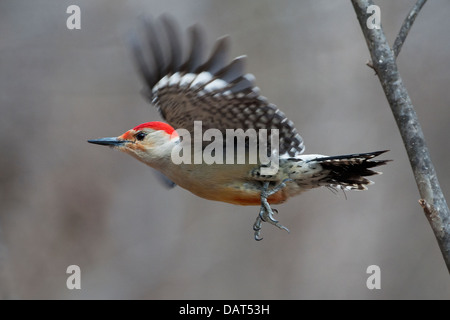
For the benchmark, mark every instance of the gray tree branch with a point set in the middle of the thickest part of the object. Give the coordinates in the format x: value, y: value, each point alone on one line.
x: 406, y: 26
x: 383, y: 60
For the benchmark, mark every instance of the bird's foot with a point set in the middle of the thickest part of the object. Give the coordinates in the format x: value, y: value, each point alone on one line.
x: 266, y: 213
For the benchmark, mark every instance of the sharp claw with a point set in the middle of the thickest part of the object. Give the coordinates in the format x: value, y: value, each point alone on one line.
x: 261, y: 217
x: 258, y: 235
x: 272, y: 220
x: 266, y: 212
x: 284, y: 228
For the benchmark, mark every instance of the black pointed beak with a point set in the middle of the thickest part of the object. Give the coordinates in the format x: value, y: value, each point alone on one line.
x: 112, y: 142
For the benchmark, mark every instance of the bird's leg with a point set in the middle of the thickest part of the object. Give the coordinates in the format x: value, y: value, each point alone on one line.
x: 266, y: 212
x: 257, y: 225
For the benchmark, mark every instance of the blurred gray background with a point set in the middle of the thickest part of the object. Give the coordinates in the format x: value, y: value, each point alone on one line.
x: 64, y: 201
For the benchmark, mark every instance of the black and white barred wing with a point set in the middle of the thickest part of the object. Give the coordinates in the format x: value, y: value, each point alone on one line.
x: 219, y: 94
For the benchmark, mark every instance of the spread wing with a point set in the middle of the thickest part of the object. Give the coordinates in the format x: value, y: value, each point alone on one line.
x: 219, y: 94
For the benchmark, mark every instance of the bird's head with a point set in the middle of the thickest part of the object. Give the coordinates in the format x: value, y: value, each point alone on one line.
x: 147, y: 142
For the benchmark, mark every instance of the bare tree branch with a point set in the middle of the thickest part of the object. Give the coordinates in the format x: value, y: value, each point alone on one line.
x: 383, y: 58
x: 406, y: 26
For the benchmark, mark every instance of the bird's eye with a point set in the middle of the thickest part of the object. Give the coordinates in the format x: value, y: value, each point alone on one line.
x: 140, y: 136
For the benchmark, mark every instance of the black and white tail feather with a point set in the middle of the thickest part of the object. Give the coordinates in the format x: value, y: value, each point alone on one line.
x: 349, y: 172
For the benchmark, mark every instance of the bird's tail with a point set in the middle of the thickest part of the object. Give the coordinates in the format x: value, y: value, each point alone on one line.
x: 349, y: 171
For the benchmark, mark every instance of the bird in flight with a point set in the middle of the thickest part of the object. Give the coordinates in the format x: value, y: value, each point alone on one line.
x: 209, y: 98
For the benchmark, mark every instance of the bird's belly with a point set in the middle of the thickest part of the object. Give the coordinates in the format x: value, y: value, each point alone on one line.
x: 225, y: 183
x: 244, y: 194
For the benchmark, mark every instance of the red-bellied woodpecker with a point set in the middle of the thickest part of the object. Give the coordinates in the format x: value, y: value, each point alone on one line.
x: 222, y: 97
